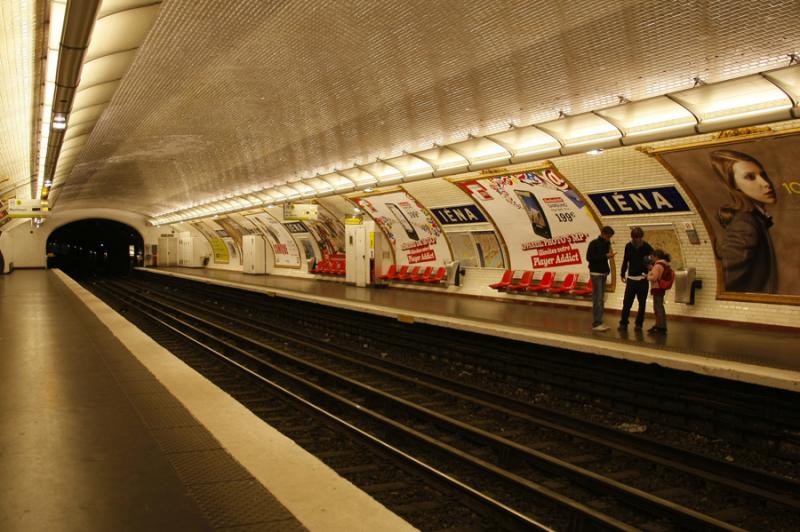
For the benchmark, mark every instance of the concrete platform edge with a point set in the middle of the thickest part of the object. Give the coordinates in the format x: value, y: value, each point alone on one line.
x: 762, y: 375
x: 318, y: 497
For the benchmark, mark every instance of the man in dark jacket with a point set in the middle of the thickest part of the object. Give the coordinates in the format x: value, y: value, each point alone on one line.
x: 634, y: 274
x: 597, y: 256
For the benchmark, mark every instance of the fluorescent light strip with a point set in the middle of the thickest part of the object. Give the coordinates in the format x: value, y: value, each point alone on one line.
x: 745, y: 114
x: 593, y: 141
x: 57, y: 11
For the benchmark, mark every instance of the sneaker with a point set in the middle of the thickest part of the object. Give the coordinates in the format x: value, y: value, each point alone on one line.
x: 600, y: 328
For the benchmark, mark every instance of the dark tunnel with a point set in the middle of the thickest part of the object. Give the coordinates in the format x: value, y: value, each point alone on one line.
x: 95, y: 247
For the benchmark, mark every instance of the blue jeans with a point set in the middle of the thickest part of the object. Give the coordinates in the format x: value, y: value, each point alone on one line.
x: 598, y: 297
x: 634, y: 290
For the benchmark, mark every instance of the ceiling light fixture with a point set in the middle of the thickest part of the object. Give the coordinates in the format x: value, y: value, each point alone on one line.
x: 765, y: 97
x: 56, y: 26
x: 746, y: 114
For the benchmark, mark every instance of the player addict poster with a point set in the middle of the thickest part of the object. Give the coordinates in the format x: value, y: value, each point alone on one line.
x: 544, y: 222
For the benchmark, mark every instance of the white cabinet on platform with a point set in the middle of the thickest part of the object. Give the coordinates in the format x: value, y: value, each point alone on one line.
x: 167, y: 251
x: 254, y: 254
x: 192, y: 251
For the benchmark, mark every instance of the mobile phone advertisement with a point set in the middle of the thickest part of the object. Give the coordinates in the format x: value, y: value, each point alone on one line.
x: 415, y: 235
x: 546, y: 225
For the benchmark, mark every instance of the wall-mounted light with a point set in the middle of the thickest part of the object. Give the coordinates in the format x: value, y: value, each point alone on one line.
x: 368, y: 189
x: 596, y: 151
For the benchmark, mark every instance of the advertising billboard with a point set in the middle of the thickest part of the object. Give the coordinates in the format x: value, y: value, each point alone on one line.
x: 747, y: 189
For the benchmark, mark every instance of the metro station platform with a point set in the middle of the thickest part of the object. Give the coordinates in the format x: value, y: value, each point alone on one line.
x: 733, y: 351
x: 103, y: 429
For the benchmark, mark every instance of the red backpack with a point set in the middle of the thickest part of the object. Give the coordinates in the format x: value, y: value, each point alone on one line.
x: 667, y: 276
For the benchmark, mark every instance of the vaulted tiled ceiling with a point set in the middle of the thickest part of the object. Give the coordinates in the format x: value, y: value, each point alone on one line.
x: 16, y: 96
x: 224, y: 96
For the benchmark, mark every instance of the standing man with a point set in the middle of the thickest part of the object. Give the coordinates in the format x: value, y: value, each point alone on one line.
x: 597, y: 256
x: 634, y: 275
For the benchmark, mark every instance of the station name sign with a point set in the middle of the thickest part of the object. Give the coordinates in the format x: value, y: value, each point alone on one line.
x: 459, y: 214
x: 653, y: 200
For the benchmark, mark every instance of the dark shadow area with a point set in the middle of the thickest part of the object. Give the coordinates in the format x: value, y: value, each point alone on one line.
x: 95, y: 248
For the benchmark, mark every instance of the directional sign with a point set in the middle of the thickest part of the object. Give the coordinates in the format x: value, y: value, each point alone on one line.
x: 27, y: 208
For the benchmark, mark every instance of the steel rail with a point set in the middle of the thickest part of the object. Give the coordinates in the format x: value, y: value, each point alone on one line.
x: 632, y: 496
x: 760, y: 484
x: 735, y: 401
x: 500, y: 511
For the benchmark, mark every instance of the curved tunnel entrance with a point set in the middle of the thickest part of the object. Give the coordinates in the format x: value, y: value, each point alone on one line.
x: 95, y: 247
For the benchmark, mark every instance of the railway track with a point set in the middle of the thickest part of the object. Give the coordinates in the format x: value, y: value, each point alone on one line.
x: 522, y: 465
x: 748, y: 416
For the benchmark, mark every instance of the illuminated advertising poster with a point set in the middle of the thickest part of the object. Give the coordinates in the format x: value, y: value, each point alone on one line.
x: 546, y: 225
x: 4, y: 218
x: 237, y: 226
x: 284, y: 248
x: 747, y: 190
x: 328, y: 232
x: 414, y: 234
x: 216, y: 237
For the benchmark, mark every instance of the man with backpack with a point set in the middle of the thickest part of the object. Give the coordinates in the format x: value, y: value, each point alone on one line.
x: 661, y: 277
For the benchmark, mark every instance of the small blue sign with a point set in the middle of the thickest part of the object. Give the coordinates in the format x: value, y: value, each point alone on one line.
x: 656, y: 200
x: 459, y: 214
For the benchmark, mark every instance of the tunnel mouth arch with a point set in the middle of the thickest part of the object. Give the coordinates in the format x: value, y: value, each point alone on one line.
x: 95, y: 247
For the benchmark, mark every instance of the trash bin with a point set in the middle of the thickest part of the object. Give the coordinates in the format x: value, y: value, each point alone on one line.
x: 684, y: 280
x: 453, y: 273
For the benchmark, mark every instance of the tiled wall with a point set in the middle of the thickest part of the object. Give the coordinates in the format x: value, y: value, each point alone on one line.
x: 616, y: 169
x: 629, y: 168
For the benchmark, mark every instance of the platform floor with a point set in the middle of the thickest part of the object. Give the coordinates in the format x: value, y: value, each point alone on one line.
x: 102, y: 429
x: 732, y: 351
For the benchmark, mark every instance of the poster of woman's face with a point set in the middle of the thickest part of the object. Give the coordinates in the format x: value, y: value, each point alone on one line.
x: 748, y: 192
